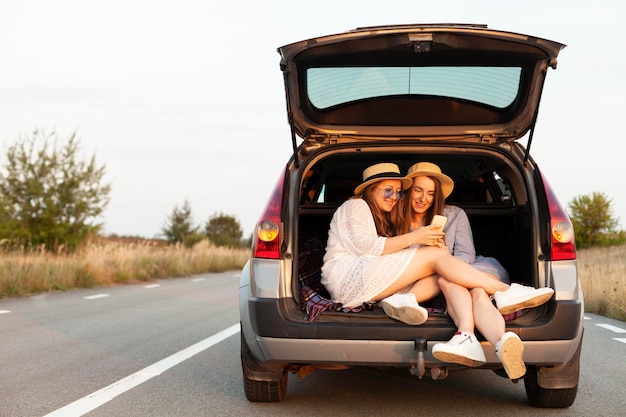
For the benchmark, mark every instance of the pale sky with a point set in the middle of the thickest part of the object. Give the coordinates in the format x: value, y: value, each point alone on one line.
x: 184, y: 100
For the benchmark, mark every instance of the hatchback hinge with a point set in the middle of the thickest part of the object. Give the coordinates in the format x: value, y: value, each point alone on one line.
x: 294, y: 145
x: 530, y: 141
x: 532, y: 126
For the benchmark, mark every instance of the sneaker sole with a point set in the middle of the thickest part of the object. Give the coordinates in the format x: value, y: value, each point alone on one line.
x: 405, y: 314
x: 450, y: 357
x: 522, y: 303
x: 512, y: 352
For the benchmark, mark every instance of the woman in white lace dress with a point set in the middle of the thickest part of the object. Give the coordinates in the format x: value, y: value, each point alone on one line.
x: 365, y: 262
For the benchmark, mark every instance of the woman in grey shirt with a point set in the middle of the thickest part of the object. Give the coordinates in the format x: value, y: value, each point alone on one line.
x: 460, y: 242
x: 469, y: 308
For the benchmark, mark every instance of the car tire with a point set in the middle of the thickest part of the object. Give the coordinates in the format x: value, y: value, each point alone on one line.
x: 261, y: 384
x: 547, y: 397
x: 265, y: 391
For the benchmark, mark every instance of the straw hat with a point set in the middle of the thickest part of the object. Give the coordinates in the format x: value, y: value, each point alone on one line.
x: 428, y: 169
x: 379, y: 172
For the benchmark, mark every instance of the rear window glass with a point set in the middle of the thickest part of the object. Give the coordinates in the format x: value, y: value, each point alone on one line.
x: 492, y: 86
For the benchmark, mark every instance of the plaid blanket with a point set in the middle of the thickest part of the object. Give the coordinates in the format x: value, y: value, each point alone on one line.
x: 315, y: 304
x: 313, y: 296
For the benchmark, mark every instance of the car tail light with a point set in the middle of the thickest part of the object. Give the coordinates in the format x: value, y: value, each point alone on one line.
x: 562, y: 242
x: 267, y: 236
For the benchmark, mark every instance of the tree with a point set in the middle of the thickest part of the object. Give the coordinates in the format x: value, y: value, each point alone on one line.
x: 223, y: 230
x: 179, y: 228
x: 594, y: 224
x: 48, y: 195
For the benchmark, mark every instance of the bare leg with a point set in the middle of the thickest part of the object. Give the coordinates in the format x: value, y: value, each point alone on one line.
x: 426, y: 288
x: 459, y: 302
x: 463, y: 348
x: 489, y: 321
x: 431, y: 260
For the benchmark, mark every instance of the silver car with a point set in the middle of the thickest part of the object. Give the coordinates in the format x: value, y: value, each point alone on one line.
x: 461, y: 96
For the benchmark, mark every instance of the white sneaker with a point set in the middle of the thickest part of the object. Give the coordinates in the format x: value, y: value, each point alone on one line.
x: 404, y: 307
x: 463, y: 348
x: 510, y: 351
x: 519, y: 297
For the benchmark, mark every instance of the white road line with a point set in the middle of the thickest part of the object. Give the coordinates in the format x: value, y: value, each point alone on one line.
x: 4, y: 311
x: 96, y: 296
x: 198, y: 279
x: 620, y: 339
x: 152, y: 286
x: 611, y: 328
x: 96, y: 399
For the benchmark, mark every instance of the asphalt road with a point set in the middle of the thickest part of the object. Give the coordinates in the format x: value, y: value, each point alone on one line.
x: 171, y: 348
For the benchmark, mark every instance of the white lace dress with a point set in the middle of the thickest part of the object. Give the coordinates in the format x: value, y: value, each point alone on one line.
x: 354, y: 270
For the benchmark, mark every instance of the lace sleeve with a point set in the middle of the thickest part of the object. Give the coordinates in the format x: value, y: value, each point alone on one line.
x: 357, y: 229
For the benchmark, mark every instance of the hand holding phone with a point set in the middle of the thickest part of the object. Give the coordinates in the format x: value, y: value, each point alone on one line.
x: 439, y: 222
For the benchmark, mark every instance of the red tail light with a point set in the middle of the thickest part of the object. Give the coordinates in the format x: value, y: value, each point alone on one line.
x: 562, y: 242
x: 267, y: 236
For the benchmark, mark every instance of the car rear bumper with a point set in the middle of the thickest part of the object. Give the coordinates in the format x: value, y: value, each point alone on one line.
x: 396, y: 353
x: 563, y: 321
x: 277, y: 338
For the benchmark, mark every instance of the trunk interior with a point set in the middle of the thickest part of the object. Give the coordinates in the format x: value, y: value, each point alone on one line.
x: 488, y: 186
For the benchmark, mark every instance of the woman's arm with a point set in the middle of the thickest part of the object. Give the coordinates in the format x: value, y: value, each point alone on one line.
x: 420, y: 236
x: 459, y: 238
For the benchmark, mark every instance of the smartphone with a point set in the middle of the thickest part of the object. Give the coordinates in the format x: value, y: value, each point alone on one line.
x: 439, y: 221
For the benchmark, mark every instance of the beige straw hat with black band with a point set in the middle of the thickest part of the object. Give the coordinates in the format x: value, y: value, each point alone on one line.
x: 428, y: 169
x: 380, y: 172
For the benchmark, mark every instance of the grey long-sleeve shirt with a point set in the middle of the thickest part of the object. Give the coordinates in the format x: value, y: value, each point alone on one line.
x: 460, y: 243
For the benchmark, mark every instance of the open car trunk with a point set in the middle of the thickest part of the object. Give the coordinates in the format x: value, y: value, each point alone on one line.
x: 488, y: 186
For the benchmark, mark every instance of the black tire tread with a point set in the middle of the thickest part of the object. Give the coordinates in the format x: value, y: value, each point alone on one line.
x: 265, y: 391
x: 545, y: 397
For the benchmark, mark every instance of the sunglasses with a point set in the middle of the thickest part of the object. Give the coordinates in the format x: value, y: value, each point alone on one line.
x: 390, y: 192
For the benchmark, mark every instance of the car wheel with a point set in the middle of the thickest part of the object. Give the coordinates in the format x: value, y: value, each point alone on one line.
x: 265, y: 391
x: 547, y: 397
x: 262, y: 383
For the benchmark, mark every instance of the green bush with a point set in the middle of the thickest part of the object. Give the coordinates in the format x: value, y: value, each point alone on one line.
x: 223, y: 230
x: 49, y: 197
x: 593, y: 220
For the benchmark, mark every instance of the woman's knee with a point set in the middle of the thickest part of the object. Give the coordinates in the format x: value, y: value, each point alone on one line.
x: 432, y: 254
x: 479, y: 294
x: 443, y: 283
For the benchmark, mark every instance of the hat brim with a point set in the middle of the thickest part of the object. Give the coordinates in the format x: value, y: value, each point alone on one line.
x: 406, y: 183
x: 447, y: 185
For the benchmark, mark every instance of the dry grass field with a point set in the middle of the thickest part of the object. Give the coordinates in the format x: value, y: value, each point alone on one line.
x: 602, y: 271
x: 109, y: 263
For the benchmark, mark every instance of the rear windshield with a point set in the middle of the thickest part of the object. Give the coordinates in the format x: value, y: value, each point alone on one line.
x: 492, y: 86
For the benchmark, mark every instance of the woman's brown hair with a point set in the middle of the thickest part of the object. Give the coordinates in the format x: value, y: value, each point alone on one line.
x: 381, y: 218
x: 402, y: 212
